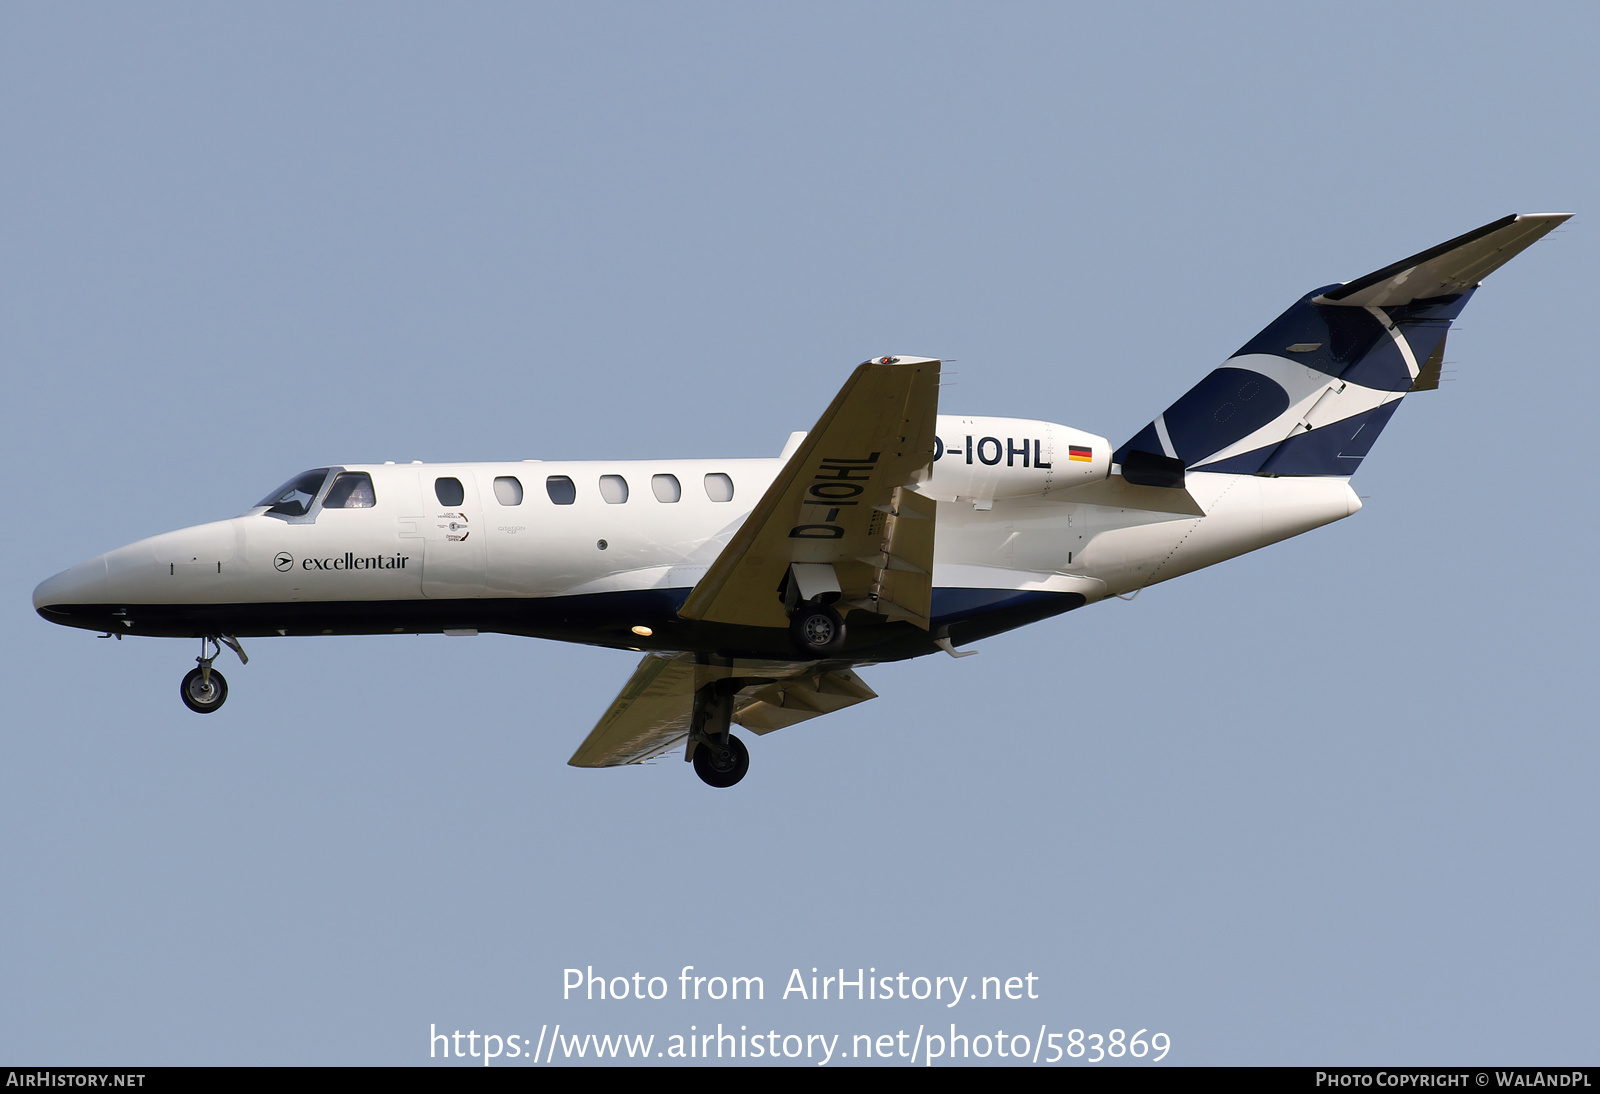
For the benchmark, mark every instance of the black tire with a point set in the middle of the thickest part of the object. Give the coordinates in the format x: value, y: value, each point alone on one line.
x: 198, y: 697
x: 816, y: 630
x: 718, y: 770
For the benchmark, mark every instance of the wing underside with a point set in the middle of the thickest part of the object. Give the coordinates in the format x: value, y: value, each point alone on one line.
x: 651, y: 714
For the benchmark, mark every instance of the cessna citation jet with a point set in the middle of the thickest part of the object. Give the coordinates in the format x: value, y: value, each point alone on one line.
x: 756, y: 588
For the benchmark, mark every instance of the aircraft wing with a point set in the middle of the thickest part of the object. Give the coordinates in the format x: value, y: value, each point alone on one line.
x: 843, y: 510
x: 651, y: 715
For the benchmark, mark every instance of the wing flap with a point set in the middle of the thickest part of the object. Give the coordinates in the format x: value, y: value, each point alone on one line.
x: 844, y: 499
x: 651, y: 715
x: 900, y: 578
x: 787, y: 702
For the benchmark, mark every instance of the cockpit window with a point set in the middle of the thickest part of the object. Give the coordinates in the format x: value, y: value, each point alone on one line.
x: 350, y: 490
x: 294, y: 498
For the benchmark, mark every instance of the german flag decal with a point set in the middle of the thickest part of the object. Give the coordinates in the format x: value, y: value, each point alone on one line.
x: 1078, y: 452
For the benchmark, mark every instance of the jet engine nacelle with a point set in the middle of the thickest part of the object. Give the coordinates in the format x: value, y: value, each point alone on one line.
x: 981, y: 459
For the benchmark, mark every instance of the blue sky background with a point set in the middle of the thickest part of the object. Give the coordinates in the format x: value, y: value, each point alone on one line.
x: 1328, y: 804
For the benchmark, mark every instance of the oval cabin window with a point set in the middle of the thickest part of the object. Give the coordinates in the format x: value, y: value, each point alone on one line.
x: 449, y: 492
x: 561, y: 490
x: 508, y: 490
x: 666, y: 487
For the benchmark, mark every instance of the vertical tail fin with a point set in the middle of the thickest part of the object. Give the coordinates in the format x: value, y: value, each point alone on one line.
x: 1311, y: 392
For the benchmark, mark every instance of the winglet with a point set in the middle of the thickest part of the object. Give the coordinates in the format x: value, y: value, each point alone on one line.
x: 1454, y: 266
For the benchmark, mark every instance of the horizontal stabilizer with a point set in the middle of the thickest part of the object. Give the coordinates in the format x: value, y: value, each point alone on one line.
x: 1452, y: 267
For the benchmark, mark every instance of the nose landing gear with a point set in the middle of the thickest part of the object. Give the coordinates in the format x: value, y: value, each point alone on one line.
x: 205, y: 689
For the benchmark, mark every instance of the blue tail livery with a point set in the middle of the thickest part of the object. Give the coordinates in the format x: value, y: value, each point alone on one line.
x: 1310, y: 393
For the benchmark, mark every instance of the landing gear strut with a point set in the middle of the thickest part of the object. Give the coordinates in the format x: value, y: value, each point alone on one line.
x: 205, y: 689
x: 720, y: 758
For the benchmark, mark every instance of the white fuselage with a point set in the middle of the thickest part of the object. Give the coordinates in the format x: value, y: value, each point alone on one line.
x: 1023, y: 505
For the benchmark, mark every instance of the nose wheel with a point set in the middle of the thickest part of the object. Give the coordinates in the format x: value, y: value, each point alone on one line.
x: 204, y: 689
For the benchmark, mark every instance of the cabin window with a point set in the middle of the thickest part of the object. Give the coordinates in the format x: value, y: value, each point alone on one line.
x: 350, y: 490
x: 666, y: 487
x: 508, y: 490
x: 294, y: 498
x: 614, y: 488
x: 719, y: 487
x: 449, y: 492
x: 561, y: 490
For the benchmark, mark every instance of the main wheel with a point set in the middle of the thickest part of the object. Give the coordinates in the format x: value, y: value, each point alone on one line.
x: 817, y: 630
x: 201, y: 697
x: 717, y: 769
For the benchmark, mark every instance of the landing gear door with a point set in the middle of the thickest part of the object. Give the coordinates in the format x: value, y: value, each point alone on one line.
x: 453, y: 536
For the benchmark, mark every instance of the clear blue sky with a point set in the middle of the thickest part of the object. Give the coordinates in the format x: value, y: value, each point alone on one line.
x: 1331, y: 803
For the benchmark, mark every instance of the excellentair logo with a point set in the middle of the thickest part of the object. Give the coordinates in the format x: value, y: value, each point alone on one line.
x: 351, y: 561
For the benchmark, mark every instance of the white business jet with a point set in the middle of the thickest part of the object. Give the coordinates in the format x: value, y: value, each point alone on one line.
x: 755, y: 588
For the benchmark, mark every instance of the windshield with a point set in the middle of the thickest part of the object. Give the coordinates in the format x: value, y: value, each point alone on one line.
x: 294, y: 498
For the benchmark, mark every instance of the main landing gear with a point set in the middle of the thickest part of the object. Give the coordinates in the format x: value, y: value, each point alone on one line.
x: 205, y: 689
x: 808, y: 592
x: 720, y: 758
x: 816, y: 629
x: 721, y: 765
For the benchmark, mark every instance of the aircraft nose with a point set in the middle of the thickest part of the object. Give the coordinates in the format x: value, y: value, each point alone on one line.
x: 84, y: 583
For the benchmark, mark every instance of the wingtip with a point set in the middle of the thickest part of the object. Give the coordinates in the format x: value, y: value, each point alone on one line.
x: 1551, y: 221
x: 901, y: 359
